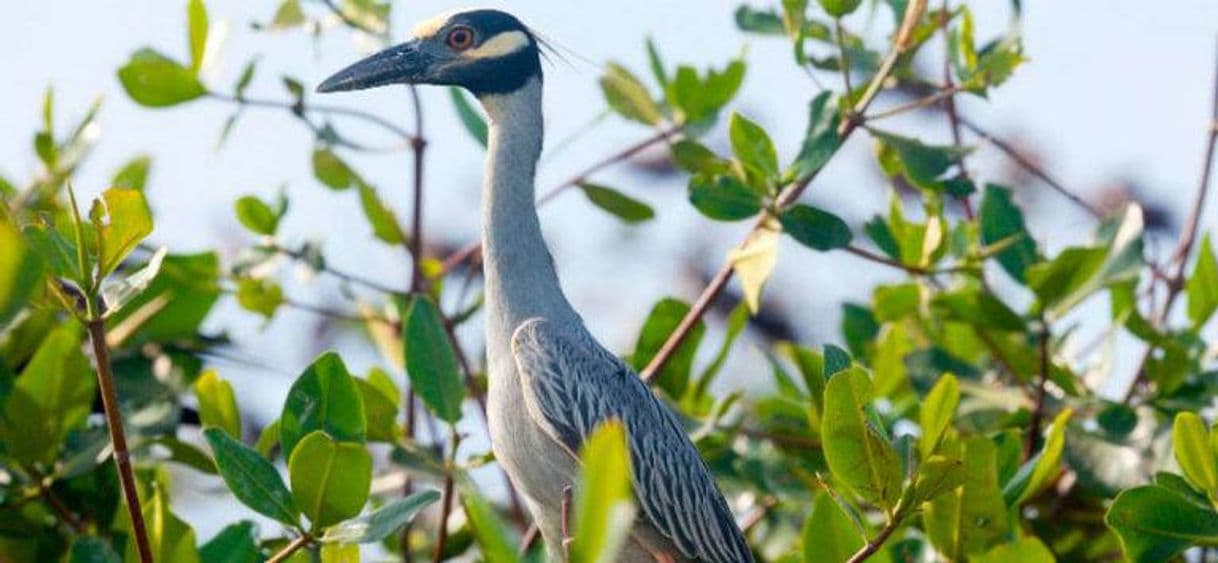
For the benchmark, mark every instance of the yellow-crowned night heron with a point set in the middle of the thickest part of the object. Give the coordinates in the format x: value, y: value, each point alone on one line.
x: 551, y: 383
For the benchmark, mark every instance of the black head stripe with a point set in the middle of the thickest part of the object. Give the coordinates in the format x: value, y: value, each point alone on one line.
x: 499, y: 75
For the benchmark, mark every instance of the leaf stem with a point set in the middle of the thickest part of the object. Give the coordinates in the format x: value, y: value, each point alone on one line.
x: 291, y: 548
x: 1038, y: 398
x: 114, y: 422
x: 874, y: 544
x: 447, y: 505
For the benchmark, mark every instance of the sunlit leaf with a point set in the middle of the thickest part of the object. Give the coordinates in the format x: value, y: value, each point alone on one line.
x: 380, y: 523
x: 628, y: 96
x: 471, y: 119
x: 154, y: 80
x: 617, y: 203
x: 217, y: 404
x: 330, y: 479
x: 326, y: 398
x: 753, y: 264
x: 1202, y: 286
x: 857, y: 454
x: 1157, y: 524
x: 604, y: 504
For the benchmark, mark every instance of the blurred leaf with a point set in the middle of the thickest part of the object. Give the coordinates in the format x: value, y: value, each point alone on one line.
x: 384, y: 223
x: 51, y: 397
x: 821, y: 140
x: 116, y: 294
x: 695, y: 158
x: 197, y: 23
x: 753, y: 263
x: 473, y: 121
x: 331, y: 171
x: 1157, y: 524
x: 339, y: 553
x: 1000, y: 220
x: 488, y: 529
x: 262, y: 296
x: 936, y: 413
x: 723, y: 197
x: 20, y: 272
x: 268, y: 439
x: 628, y: 96
x: 663, y: 319
x: 1039, y: 471
x: 134, y: 174
x: 431, y: 362
x: 236, y: 543
x: 839, y: 8
x: 1202, y: 285
x: 326, y: 398
x: 1027, y: 549
x: 815, y: 228
x: 937, y: 475
x: 330, y: 479
x: 288, y: 15
x: 859, y: 327
x: 754, y: 20
x: 656, y: 63
x: 256, y: 215
x: 380, y: 523
x: 1117, y: 420
x: 217, y: 405
x: 245, y: 79
x: 154, y: 80
x: 978, y: 308
x: 122, y: 219
x: 1191, y: 442
x: 923, y: 165
x: 176, y: 302
x: 973, y: 518
x: 91, y: 549
x: 896, y: 302
x: 752, y: 145
x: 379, y: 413
x: 829, y: 535
x: 618, y: 204
x: 857, y: 454
x: 169, y: 537
x: 604, y: 504
x: 1077, y: 273
x: 251, y: 478
x: 699, y: 98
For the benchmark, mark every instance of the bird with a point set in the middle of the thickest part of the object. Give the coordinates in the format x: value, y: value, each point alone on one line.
x: 550, y: 383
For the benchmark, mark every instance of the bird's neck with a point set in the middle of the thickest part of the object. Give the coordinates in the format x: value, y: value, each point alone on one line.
x: 520, y: 279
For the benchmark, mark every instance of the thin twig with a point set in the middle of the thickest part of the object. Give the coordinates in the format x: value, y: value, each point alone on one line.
x: 298, y: 109
x: 949, y: 105
x: 947, y: 93
x: 874, y: 544
x: 291, y: 548
x: 65, y: 515
x: 913, y: 13
x: 414, y: 246
x: 447, y: 504
x: 1038, y: 399
x: 118, y: 437
x: 340, y: 274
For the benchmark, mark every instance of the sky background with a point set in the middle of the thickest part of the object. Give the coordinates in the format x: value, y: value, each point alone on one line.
x: 1116, y: 91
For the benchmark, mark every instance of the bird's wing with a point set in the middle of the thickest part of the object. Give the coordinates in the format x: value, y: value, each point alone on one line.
x: 571, y: 384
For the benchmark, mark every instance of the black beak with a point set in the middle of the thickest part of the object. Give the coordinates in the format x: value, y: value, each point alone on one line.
x: 403, y: 64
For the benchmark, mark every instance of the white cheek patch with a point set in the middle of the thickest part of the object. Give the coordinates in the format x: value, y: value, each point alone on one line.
x: 498, y: 46
x: 432, y: 26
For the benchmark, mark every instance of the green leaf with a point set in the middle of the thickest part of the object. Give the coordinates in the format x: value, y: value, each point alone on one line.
x: 236, y: 543
x: 430, y: 360
x: 752, y: 145
x: 815, y: 228
x: 20, y: 272
x: 1117, y: 420
x: 1191, y: 442
x: 1202, y: 286
x: 620, y: 205
x: 122, y: 220
x: 1077, y: 273
x: 656, y: 63
x: 1001, y: 219
x: 628, y: 96
x: 663, y: 319
x: 753, y: 20
x: 936, y: 476
x: 723, y: 198
x: 604, y: 503
x: 50, y: 398
x: 473, y: 121
x: 379, y: 412
x: 134, y: 174
x: 829, y: 535
x: 169, y: 537
x: 262, y: 296
x: 331, y: 171
x: 488, y: 529
x: 288, y: 15
x: 896, y: 302
x: 256, y: 215
x: 753, y: 263
x: 699, y: 98
x: 973, y: 518
x: 821, y: 140
x: 936, y: 413
x: 92, y: 549
x: 197, y: 23
x: 384, y: 223
x: 858, y: 455
x: 1156, y: 524
x: 176, y: 302
x: 839, y: 8
x: 324, y: 397
x: 923, y: 165
x: 154, y: 80
x: 217, y: 405
x: 695, y: 158
x: 251, y: 478
x: 1038, y: 472
x: 339, y: 553
x: 330, y: 479
x: 380, y: 523
x: 1028, y: 549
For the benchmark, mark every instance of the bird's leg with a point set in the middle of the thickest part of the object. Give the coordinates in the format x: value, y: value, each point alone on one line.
x: 566, y: 521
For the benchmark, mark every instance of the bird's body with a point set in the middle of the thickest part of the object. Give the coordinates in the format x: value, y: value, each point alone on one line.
x: 550, y: 382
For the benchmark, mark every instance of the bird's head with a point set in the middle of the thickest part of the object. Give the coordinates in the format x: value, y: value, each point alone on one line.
x: 483, y: 51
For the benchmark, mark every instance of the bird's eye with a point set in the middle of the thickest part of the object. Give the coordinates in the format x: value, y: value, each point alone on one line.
x: 460, y: 38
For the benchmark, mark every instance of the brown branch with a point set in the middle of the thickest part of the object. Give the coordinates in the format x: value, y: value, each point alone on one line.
x: 1175, y: 284
x: 1038, y: 399
x: 299, y: 109
x: 447, y: 505
x: 61, y: 510
x: 949, y: 105
x: 913, y: 13
x: 350, y: 278
x: 418, y: 145
x: 291, y: 548
x: 118, y: 438
x: 874, y: 544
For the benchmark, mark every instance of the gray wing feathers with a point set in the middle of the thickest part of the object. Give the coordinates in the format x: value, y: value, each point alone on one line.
x: 572, y: 384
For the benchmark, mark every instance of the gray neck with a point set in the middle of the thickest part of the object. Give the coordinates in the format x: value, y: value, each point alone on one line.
x: 520, y: 279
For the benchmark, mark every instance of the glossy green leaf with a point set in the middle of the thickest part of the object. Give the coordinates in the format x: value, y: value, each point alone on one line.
x: 1038, y: 471
x: 197, y: 24
x: 236, y: 543
x: 169, y: 537
x: 752, y: 146
x: 628, y: 96
x: 937, y: 411
x: 937, y: 475
x: 973, y: 518
x: 1027, y: 549
x: 663, y: 319
x: 380, y: 413
x: 175, y: 303
x: 1077, y: 273
x: 829, y: 535
x: 923, y: 165
x: 604, y: 504
x: 617, y: 203
x: 1157, y: 524
x: 51, y: 397
x: 430, y: 360
x: 154, y: 80
x: 858, y: 455
x: 326, y: 398
x: 262, y: 296
x: 1001, y: 219
x: 251, y: 478
x: 20, y: 271
x: 723, y: 198
x: 330, y: 479
x: 1191, y: 442
x: 821, y: 139
x: 332, y: 171
x: 470, y: 118
x: 380, y: 523
x: 384, y: 223
x: 122, y: 219
x: 1202, y: 286
x: 217, y: 404
x: 134, y: 174
x: 256, y: 215
x: 815, y: 228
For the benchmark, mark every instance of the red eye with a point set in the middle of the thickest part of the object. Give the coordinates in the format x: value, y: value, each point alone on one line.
x: 460, y: 38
